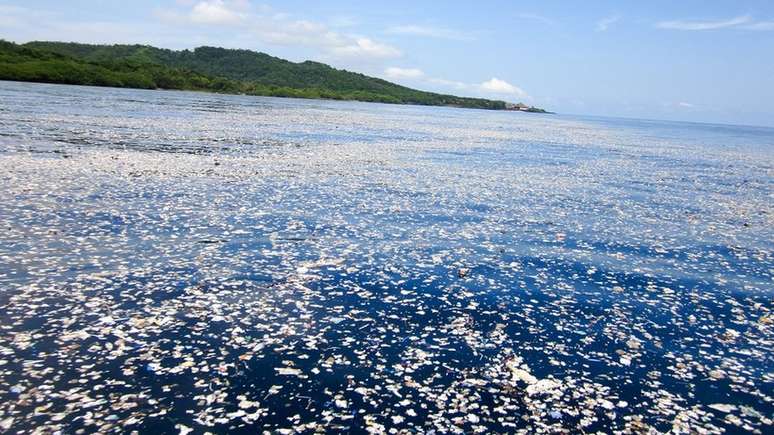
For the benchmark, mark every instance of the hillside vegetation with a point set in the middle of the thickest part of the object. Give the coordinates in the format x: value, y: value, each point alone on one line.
x: 206, y: 69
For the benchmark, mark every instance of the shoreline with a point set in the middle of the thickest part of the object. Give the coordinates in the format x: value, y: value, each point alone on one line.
x: 290, y: 97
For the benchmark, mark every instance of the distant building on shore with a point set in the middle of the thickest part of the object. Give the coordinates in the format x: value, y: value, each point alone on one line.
x: 519, y: 106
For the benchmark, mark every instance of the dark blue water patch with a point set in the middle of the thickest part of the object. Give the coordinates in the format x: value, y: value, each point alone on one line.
x: 365, y: 332
x: 699, y: 259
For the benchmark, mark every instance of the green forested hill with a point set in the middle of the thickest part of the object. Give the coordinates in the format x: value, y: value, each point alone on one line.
x: 206, y: 68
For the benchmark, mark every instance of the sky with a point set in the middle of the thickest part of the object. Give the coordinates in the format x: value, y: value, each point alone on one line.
x: 691, y: 60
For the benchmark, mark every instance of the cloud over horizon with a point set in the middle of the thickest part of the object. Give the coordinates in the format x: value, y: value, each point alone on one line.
x: 493, y: 86
x: 272, y: 27
x: 497, y: 86
x: 403, y: 73
x: 219, y: 12
x: 745, y: 22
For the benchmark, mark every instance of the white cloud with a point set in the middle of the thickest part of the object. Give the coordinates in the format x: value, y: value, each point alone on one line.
x: 429, y: 32
x: 498, y: 86
x: 704, y: 25
x: 745, y: 22
x: 536, y: 17
x: 685, y: 105
x: 604, y: 24
x: 367, y: 48
x: 219, y: 12
x: 492, y: 86
x: 403, y: 73
x: 264, y: 24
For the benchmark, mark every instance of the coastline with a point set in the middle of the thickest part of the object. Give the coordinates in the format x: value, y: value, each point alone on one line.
x: 213, y: 69
x: 299, y: 97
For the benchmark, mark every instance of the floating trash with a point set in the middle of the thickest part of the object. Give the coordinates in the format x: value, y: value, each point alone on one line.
x: 208, y: 263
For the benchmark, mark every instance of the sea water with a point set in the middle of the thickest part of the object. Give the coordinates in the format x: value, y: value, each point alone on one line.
x: 175, y: 262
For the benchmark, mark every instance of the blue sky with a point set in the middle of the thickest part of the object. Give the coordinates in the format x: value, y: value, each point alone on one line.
x: 708, y: 60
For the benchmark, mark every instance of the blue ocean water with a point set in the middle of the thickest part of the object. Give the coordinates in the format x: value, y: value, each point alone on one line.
x: 174, y: 261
